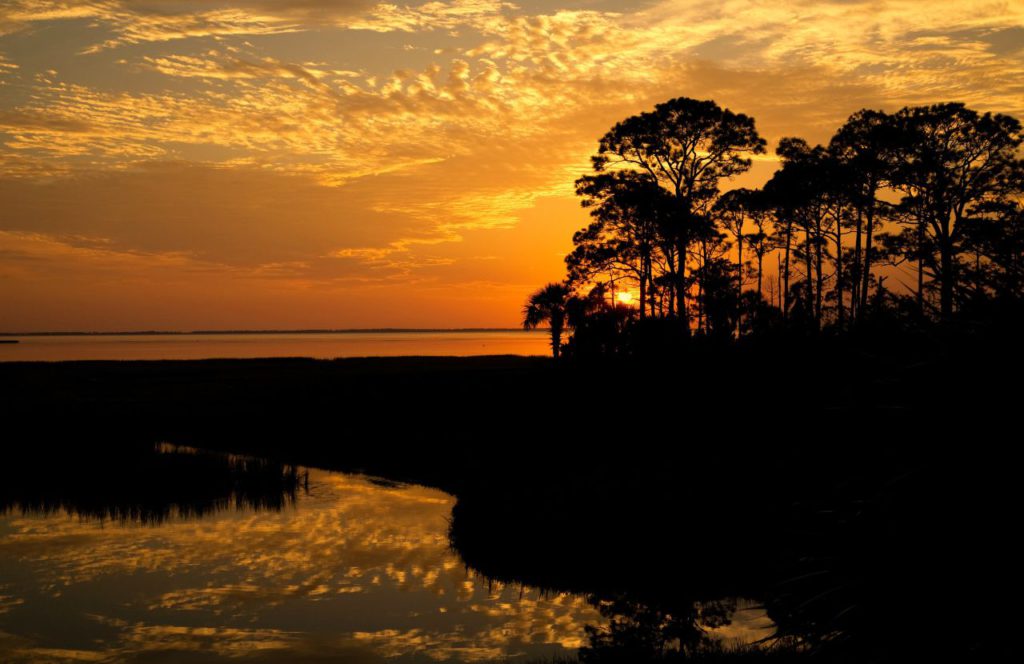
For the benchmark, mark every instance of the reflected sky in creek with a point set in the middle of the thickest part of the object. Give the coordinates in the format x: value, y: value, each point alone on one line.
x: 353, y: 571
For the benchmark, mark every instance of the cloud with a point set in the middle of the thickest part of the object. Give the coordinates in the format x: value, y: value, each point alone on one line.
x: 132, y: 28
x: 230, y: 67
x: 138, y: 22
x: 430, y: 16
x: 339, y: 154
x: 21, y: 14
x: 152, y: 21
x: 233, y: 217
x: 15, y: 121
x: 525, y: 75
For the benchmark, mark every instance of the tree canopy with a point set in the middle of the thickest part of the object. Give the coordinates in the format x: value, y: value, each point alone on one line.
x: 934, y: 193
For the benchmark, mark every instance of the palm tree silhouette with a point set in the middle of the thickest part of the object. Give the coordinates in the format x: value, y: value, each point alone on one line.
x: 548, y: 304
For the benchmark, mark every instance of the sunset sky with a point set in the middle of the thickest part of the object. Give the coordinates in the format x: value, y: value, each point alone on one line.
x: 176, y: 164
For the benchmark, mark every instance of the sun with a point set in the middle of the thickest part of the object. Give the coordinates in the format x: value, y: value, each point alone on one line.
x: 624, y: 297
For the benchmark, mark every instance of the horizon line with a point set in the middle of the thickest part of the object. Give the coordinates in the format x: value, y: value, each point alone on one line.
x: 354, y: 330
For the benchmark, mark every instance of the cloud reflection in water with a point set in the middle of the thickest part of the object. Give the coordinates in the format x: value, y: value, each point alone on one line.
x: 353, y: 570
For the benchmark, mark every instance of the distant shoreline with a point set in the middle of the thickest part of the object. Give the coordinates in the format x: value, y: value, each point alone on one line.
x: 381, y: 330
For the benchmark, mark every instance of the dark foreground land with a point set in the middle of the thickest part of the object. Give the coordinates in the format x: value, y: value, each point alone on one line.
x: 866, y: 493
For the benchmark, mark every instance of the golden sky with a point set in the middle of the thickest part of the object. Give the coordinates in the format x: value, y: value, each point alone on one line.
x: 183, y: 164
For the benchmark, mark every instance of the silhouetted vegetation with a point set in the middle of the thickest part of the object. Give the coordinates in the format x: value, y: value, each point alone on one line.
x: 548, y: 305
x: 141, y: 485
x: 899, y: 239
x: 932, y: 191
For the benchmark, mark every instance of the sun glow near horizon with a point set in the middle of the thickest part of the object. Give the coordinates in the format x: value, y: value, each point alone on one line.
x: 249, y: 164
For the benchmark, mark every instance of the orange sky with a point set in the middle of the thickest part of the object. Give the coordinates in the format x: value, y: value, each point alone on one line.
x: 179, y: 164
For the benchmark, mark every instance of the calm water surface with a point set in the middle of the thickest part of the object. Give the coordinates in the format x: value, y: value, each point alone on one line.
x: 352, y: 568
x: 318, y: 345
x: 246, y: 562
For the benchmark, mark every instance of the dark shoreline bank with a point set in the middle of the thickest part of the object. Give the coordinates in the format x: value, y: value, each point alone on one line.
x: 615, y: 478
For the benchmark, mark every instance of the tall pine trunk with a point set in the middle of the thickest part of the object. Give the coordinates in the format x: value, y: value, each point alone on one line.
x: 820, y: 281
x: 681, y: 287
x: 870, y: 226
x: 785, y: 273
x: 920, y: 266
x: 643, y: 287
x: 948, y: 276
x: 739, y: 276
x: 855, y: 286
x: 841, y: 311
x: 760, y: 264
x: 809, y: 264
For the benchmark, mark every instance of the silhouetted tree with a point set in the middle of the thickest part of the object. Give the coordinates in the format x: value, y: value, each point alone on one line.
x: 761, y: 241
x: 733, y: 209
x: 600, y: 326
x: 632, y: 214
x: 864, y: 146
x: 995, y: 237
x: 548, y: 304
x: 687, y: 146
x: 660, y: 223
x: 799, y: 191
x: 950, y: 161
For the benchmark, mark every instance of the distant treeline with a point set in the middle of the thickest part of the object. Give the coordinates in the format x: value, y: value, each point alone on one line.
x: 931, y: 192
